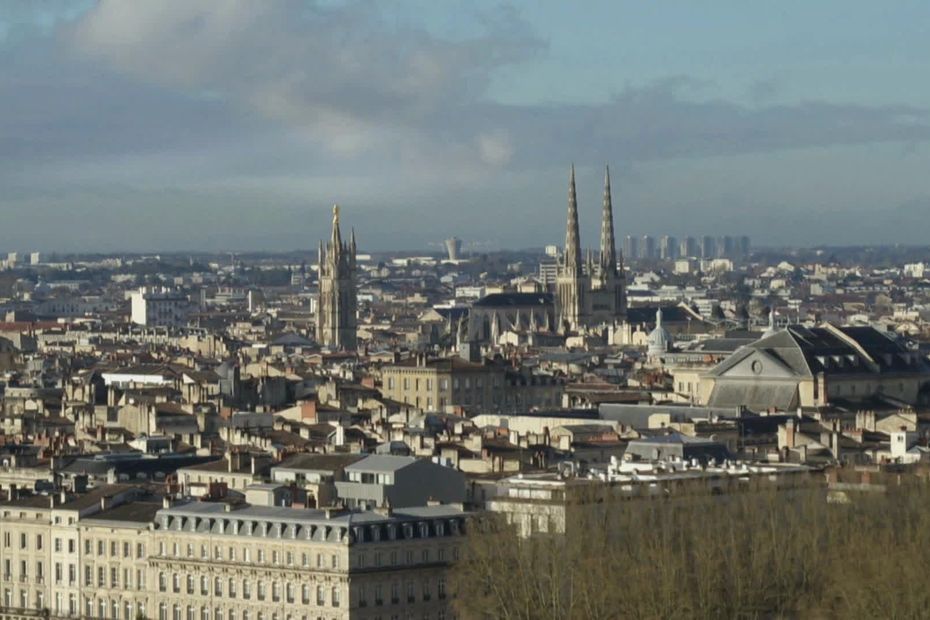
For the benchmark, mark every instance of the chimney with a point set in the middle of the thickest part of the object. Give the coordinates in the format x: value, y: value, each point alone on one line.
x: 166, y: 502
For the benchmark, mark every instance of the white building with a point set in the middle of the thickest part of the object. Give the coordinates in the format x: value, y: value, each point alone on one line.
x: 159, y: 307
x: 915, y: 270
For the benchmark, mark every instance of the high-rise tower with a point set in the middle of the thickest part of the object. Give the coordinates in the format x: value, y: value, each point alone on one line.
x: 337, y: 306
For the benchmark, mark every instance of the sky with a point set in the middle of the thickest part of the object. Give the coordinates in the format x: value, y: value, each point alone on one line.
x: 234, y: 125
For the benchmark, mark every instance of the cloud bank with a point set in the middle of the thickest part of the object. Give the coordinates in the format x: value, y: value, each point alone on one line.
x: 231, y: 106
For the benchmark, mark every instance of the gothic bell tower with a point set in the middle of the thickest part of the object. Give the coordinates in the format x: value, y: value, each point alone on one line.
x: 337, y: 307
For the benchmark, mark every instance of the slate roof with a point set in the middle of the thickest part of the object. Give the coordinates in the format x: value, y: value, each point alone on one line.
x: 320, y: 462
x: 807, y: 351
x: 381, y: 463
x: 513, y: 300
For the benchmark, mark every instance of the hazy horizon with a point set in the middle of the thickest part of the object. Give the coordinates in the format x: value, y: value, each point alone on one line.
x: 233, y: 125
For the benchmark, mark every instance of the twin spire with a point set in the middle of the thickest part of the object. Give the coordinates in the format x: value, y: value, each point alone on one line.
x: 572, y: 237
x: 608, y: 255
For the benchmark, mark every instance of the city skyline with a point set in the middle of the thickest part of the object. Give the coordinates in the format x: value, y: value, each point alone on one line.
x: 754, y: 120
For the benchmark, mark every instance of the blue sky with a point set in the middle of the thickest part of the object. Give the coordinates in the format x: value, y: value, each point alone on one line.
x: 234, y: 125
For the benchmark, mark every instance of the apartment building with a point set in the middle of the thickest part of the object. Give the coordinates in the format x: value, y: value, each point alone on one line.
x: 442, y: 384
x: 106, y: 554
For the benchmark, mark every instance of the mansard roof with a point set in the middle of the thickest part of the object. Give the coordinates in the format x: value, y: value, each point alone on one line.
x: 807, y: 351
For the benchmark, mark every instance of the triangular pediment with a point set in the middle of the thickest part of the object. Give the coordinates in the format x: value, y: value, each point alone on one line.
x: 759, y: 365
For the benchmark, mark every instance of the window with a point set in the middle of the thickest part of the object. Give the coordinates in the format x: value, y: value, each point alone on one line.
x: 217, y: 586
x: 320, y: 595
x: 334, y: 596
x: 261, y: 590
x: 57, y: 545
x: 289, y: 592
x: 231, y: 588
x: 190, y: 584
x: 176, y: 582
x: 275, y: 591
x: 246, y: 589
x: 162, y: 582
x: 305, y: 594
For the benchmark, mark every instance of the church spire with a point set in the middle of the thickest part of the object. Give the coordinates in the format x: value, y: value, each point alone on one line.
x: 337, y: 235
x: 608, y: 249
x: 572, y: 240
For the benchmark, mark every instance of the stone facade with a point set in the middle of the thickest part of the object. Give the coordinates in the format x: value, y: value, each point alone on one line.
x: 216, y: 561
x: 589, y: 293
x: 337, y: 309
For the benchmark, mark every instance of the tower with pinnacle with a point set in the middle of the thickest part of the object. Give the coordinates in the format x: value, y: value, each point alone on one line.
x: 337, y: 307
x: 592, y: 292
x: 571, y: 282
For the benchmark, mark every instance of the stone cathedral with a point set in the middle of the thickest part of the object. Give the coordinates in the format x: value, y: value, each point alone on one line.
x: 589, y: 292
x: 337, y: 307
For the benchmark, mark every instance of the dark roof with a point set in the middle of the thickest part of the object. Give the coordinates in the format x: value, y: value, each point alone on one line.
x: 453, y: 313
x: 132, y: 512
x: 647, y: 314
x: 445, y: 364
x: 507, y: 300
x: 806, y: 351
x: 320, y: 462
